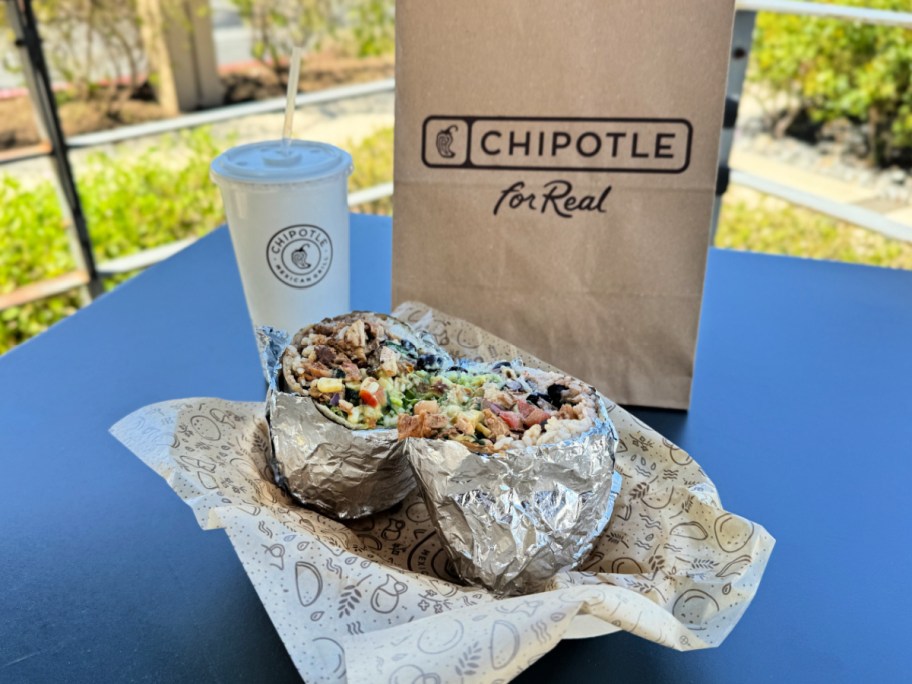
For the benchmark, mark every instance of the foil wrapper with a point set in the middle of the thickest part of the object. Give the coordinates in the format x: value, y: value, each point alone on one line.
x: 341, y: 472
x: 374, y: 600
x: 510, y: 521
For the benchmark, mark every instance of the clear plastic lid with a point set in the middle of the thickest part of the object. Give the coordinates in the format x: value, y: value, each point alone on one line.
x: 275, y: 161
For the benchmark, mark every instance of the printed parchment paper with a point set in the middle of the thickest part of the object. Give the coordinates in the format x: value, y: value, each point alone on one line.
x: 374, y: 601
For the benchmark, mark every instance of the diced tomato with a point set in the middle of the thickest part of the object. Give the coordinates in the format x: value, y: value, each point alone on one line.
x: 375, y: 399
x: 513, y: 420
x: 524, y: 407
x: 535, y: 417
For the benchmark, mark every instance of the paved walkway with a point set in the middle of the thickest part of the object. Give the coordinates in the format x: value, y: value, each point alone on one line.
x: 347, y: 122
x: 343, y: 123
x: 819, y: 184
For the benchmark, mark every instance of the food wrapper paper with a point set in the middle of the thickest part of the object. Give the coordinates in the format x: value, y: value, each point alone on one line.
x: 374, y: 600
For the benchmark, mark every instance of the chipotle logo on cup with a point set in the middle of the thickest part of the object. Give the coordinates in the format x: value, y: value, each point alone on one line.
x: 300, y: 256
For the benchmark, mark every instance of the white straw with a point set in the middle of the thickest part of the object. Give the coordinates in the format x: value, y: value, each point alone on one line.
x: 293, y: 76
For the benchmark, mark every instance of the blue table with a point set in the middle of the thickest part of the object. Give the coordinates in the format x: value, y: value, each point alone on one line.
x: 801, y: 414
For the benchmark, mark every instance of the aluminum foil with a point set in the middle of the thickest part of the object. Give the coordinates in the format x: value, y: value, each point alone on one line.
x: 338, y: 471
x: 510, y: 521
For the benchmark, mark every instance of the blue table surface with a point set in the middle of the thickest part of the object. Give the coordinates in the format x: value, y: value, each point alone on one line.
x: 801, y: 414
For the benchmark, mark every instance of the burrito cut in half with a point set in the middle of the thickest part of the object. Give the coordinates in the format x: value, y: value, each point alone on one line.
x: 332, y: 423
x: 516, y: 467
x: 515, y: 464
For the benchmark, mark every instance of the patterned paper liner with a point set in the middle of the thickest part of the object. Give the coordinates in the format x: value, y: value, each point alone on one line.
x: 374, y: 601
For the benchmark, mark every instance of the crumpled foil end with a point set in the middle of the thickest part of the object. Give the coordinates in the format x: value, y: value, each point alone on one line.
x: 271, y: 342
x: 340, y: 472
x: 511, y: 521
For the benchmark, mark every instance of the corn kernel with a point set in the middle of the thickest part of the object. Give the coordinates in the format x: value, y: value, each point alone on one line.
x: 330, y: 385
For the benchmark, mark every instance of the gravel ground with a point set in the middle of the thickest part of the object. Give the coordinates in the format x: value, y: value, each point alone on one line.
x: 832, y: 159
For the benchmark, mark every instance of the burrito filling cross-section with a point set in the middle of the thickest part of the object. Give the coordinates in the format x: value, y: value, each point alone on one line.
x: 366, y: 375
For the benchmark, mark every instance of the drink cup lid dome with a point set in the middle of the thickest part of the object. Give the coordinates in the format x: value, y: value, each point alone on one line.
x: 272, y: 161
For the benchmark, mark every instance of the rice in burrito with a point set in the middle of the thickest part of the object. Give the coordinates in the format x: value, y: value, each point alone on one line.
x: 332, y: 411
x: 516, y: 466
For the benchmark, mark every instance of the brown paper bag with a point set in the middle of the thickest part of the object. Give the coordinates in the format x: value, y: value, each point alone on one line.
x: 555, y: 171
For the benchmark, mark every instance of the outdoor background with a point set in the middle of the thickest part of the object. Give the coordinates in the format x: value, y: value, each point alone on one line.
x: 827, y: 109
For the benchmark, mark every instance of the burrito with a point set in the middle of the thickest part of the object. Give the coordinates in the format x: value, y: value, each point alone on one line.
x: 494, y: 408
x: 516, y: 466
x: 361, y: 369
x: 332, y: 410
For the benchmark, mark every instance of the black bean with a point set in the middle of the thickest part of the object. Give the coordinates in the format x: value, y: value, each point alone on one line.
x: 338, y: 373
x: 429, y: 362
x: 501, y: 364
x: 540, y: 400
x: 556, y: 393
x: 352, y: 396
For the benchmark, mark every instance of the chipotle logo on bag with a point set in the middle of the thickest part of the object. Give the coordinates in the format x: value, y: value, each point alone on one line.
x: 527, y: 143
x: 557, y: 144
x: 555, y: 171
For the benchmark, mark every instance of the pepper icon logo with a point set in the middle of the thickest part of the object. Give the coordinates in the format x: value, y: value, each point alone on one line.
x: 300, y: 256
x: 444, y: 140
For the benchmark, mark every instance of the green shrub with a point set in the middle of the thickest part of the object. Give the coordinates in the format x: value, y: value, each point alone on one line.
x: 372, y: 27
x: 164, y: 193
x: 33, y: 242
x: 835, y: 69
x: 363, y: 28
x: 373, y: 158
x: 280, y: 25
x: 132, y: 202
x: 33, y: 247
x: 765, y: 224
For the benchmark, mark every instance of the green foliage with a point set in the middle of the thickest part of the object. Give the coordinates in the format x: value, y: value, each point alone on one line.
x: 836, y: 69
x: 33, y: 243
x: 33, y: 247
x: 373, y: 158
x: 280, y: 25
x: 132, y: 202
x: 373, y: 29
x: 160, y: 195
x: 364, y: 28
x: 769, y: 225
x: 138, y: 201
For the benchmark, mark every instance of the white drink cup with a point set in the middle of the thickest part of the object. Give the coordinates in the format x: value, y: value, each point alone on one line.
x: 287, y: 209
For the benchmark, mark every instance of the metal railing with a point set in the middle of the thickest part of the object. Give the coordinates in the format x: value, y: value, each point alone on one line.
x: 817, y: 9
x: 89, y: 274
x: 742, y: 40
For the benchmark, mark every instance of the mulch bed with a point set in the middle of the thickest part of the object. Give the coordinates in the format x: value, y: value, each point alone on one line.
x: 243, y: 83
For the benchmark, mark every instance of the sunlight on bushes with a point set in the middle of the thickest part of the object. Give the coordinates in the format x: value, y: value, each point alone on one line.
x: 135, y: 202
x: 132, y: 202
x: 759, y: 223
